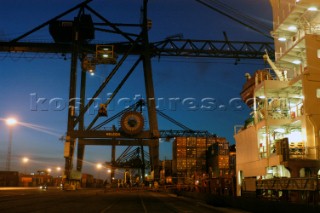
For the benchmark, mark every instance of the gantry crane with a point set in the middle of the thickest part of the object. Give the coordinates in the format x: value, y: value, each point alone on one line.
x: 76, y: 37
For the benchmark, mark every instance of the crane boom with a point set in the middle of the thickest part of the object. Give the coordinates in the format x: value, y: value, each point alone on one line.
x: 167, y: 47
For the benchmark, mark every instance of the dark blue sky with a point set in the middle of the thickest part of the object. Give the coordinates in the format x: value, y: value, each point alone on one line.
x: 25, y: 77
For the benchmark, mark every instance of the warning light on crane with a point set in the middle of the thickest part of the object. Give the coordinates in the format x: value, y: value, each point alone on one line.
x: 89, y: 64
x: 105, y: 54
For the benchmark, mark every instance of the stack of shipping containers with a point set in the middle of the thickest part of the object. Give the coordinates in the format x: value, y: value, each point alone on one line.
x: 179, y: 159
x: 190, y: 158
x: 218, y: 159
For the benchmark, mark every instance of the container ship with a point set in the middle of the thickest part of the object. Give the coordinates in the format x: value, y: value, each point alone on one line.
x: 278, y: 151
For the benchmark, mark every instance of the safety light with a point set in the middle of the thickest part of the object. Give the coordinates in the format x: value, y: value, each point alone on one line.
x: 292, y: 28
x: 296, y: 62
x: 282, y: 39
x: 312, y: 8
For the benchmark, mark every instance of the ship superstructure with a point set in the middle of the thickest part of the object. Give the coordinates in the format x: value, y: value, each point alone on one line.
x: 280, y: 140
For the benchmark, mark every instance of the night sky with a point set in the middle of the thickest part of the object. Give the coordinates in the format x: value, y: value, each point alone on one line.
x: 27, y: 77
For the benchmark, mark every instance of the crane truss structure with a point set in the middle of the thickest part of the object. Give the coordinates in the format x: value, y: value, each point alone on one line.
x: 209, y: 48
x: 167, y: 47
x: 81, y: 45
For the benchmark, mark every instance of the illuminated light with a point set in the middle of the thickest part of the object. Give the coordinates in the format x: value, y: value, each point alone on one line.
x: 262, y: 97
x: 11, y: 121
x: 296, y: 62
x: 312, y: 8
x: 91, y: 71
x: 292, y: 28
x: 25, y: 160
x: 105, y: 56
x: 282, y: 39
x: 292, y: 104
x: 295, y: 136
x: 280, y: 130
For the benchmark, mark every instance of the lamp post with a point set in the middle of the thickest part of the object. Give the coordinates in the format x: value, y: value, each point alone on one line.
x: 99, y: 166
x: 58, y: 170
x: 10, y: 122
x: 109, y: 172
x: 59, y: 176
x: 25, y: 161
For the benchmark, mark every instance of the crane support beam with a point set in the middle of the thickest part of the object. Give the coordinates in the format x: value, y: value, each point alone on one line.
x: 168, y: 47
x: 213, y: 48
x: 114, y: 142
x: 109, y: 134
x: 102, y: 134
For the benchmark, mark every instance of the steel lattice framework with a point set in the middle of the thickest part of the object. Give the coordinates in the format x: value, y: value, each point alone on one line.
x: 209, y: 48
x: 134, y: 44
x: 167, y: 47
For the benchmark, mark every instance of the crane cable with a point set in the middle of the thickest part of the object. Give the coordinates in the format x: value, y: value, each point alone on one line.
x: 224, y: 8
x: 242, y: 16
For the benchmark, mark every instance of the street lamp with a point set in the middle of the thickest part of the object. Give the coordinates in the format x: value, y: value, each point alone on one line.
x: 58, y: 169
x: 59, y: 176
x: 10, y: 122
x: 25, y: 161
x: 99, y: 166
x: 109, y: 171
